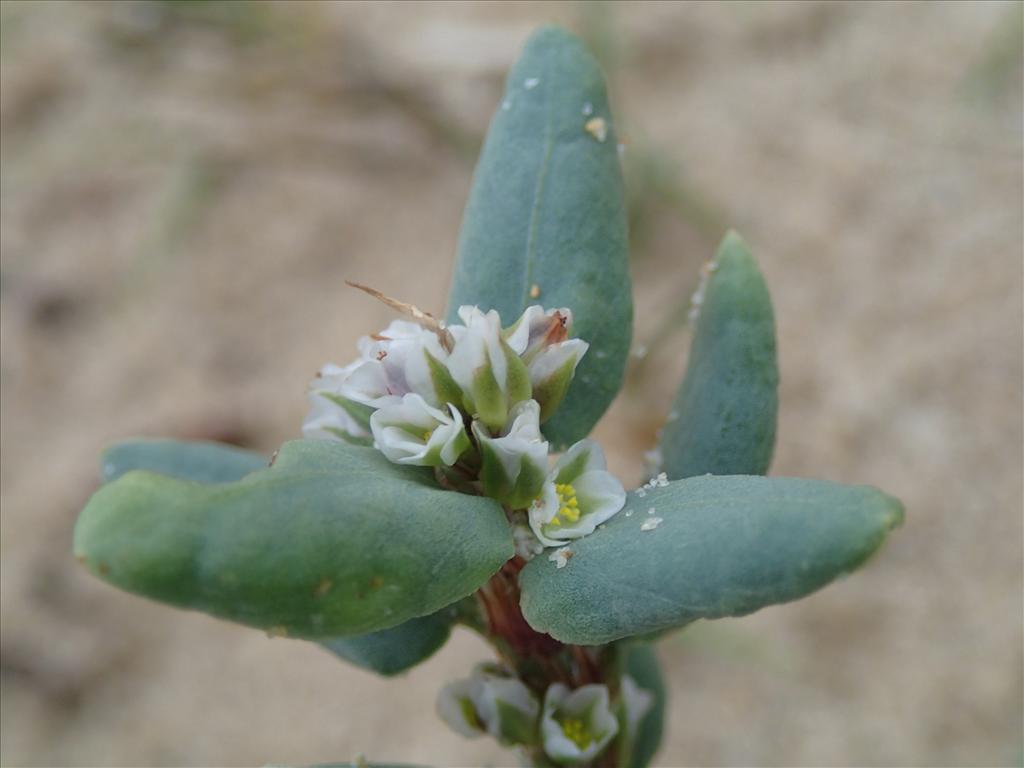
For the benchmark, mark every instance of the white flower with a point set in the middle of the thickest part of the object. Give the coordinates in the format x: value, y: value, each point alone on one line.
x: 411, y: 359
x: 542, y: 340
x: 514, y: 465
x: 490, y: 701
x: 536, y: 329
x: 413, y: 432
x: 331, y: 416
x: 455, y: 706
x: 578, y: 495
x: 489, y: 372
x: 507, y: 708
x: 576, y: 725
x: 637, y: 703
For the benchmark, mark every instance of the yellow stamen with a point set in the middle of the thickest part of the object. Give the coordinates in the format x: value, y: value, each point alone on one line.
x: 568, y: 504
x: 576, y: 732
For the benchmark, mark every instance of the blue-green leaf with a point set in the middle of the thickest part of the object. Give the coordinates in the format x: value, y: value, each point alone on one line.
x: 711, y: 547
x: 640, y: 662
x: 200, y: 461
x: 723, y: 418
x: 546, y: 219
x: 387, y: 652
x: 393, y: 651
x: 332, y: 540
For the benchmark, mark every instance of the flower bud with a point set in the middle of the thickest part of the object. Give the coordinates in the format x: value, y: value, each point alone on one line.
x: 542, y: 341
x: 490, y: 374
x: 507, y: 708
x: 515, y: 464
x: 332, y: 415
x: 489, y: 701
x: 578, y: 495
x: 412, y: 432
x: 413, y: 360
x: 455, y: 706
x: 576, y: 725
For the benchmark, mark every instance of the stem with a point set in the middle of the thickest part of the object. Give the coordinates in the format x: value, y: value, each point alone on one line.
x: 538, y: 659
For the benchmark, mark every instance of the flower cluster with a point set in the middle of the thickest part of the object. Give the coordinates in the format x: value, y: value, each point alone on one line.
x: 571, y: 726
x: 473, y: 396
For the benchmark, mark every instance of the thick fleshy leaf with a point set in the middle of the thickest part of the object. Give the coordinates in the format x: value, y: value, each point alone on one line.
x: 723, y: 418
x: 393, y: 651
x: 200, y: 461
x: 332, y: 540
x: 546, y: 219
x: 640, y: 662
x: 712, y: 547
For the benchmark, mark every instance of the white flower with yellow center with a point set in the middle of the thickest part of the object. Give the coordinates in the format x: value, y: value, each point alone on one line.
x: 490, y: 374
x: 413, y: 432
x: 578, y: 495
x: 576, y: 725
x: 514, y: 464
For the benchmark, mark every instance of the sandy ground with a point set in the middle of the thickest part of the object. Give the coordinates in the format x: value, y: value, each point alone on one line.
x: 184, y: 191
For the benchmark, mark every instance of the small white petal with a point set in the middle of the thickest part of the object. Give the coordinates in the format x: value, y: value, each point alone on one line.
x: 454, y: 702
x: 518, y: 335
x: 511, y: 692
x: 584, y: 456
x: 638, y: 703
x: 551, y: 359
x: 413, y: 432
x: 325, y: 419
x: 589, y: 703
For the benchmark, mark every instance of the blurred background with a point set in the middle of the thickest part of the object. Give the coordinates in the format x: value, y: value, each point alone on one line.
x: 186, y: 185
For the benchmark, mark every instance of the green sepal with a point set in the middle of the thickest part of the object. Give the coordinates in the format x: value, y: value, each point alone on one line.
x: 497, y: 484
x: 546, y: 219
x: 551, y: 392
x: 528, y: 485
x: 487, y: 402
x: 515, y: 727
x: 725, y: 546
x: 444, y: 385
x: 332, y: 540
x: 200, y: 461
x: 360, y: 412
x: 494, y: 479
x: 517, y: 376
x: 724, y: 415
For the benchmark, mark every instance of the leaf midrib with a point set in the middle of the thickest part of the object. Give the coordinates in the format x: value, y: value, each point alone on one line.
x: 542, y: 175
